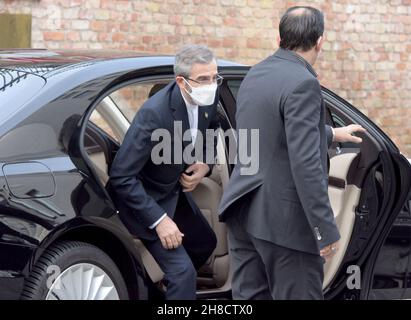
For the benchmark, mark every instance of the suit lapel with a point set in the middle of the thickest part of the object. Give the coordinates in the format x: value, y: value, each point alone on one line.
x: 178, y: 106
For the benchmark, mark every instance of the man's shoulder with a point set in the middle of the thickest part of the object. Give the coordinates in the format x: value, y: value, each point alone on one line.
x: 292, y: 69
x: 294, y: 75
x: 282, y: 70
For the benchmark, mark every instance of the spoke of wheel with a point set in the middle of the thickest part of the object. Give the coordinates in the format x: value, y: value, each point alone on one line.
x: 83, y: 281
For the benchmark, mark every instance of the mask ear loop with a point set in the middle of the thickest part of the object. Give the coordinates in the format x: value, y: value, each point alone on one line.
x: 191, y: 88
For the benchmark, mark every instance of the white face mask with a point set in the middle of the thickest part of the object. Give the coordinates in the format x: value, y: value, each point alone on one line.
x: 204, y: 95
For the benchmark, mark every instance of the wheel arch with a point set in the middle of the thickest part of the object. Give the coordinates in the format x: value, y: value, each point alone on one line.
x: 118, y: 247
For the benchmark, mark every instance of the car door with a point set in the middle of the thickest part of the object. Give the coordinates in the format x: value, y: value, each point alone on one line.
x: 368, y: 185
x: 106, y: 128
x: 390, y: 279
x: 382, y: 175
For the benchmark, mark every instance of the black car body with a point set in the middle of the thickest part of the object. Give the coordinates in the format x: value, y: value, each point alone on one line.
x: 53, y: 199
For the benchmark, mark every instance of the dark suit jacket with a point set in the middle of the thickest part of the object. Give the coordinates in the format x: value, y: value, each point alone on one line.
x: 144, y: 191
x: 287, y: 200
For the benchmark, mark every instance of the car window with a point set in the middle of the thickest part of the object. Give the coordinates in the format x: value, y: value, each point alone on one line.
x: 125, y: 103
x: 338, y: 122
x: 97, y: 119
x: 113, y: 116
x: 234, y: 86
x: 121, y: 104
x: 130, y: 98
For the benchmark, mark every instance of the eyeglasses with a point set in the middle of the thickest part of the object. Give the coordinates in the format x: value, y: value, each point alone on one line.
x: 206, y: 80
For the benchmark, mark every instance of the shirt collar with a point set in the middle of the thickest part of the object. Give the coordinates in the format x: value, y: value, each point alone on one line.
x: 188, y: 104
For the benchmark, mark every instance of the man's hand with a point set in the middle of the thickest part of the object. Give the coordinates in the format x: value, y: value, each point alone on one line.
x: 190, y: 182
x: 344, y: 134
x: 169, y: 234
x: 329, y: 251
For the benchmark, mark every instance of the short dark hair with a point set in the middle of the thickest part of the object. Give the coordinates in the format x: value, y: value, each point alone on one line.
x: 300, y: 28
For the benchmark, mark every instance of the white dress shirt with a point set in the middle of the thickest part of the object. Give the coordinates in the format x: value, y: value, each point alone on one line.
x: 192, y: 112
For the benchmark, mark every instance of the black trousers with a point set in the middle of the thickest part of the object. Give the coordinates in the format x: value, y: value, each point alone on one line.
x: 180, y: 265
x: 265, y: 271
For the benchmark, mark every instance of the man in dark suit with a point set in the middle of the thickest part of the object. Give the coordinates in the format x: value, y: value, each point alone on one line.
x: 280, y: 222
x: 154, y: 198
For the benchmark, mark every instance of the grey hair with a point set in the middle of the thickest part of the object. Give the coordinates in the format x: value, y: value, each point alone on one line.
x: 189, y: 55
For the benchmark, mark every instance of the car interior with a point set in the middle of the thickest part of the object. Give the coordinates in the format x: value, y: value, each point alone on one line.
x: 347, y: 172
x: 355, y: 180
x: 101, y: 147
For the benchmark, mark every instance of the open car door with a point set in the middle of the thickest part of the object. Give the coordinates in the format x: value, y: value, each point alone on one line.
x: 369, y: 184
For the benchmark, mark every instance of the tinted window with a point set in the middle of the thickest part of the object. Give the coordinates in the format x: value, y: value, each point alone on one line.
x: 130, y: 98
x: 338, y: 122
x: 102, y: 123
x: 234, y: 85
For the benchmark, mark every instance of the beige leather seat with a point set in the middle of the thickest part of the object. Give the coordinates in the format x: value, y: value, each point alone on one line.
x: 207, y: 196
x: 153, y: 269
x: 343, y: 202
x: 101, y: 167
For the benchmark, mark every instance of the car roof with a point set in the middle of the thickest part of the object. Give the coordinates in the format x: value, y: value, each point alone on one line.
x: 43, y: 61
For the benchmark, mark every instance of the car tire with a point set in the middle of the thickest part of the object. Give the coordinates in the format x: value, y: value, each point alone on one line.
x: 67, y: 261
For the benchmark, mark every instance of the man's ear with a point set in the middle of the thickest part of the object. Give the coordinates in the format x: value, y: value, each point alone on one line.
x: 319, y: 44
x: 180, y: 82
x: 278, y: 40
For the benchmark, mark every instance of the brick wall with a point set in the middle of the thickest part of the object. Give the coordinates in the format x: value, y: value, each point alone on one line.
x: 366, y: 58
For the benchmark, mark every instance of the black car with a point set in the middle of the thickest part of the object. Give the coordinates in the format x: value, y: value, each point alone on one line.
x: 63, y: 116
